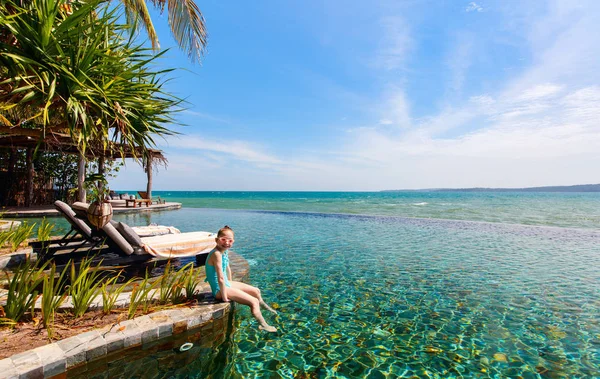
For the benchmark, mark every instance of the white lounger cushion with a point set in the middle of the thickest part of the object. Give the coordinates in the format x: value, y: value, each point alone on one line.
x: 155, y: 230
x: 179, y: 245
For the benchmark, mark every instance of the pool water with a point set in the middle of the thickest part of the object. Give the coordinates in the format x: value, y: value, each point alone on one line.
x: 378, y: 297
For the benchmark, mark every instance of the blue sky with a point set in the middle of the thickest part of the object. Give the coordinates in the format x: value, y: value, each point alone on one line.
x: 349, y: 95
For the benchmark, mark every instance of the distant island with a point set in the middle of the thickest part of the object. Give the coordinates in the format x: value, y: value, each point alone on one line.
x: 575, y: 188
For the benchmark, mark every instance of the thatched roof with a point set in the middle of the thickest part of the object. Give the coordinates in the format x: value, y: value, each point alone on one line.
x: 64, y: 144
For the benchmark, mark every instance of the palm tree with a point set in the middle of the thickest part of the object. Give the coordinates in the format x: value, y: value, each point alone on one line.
x: 185, y: 19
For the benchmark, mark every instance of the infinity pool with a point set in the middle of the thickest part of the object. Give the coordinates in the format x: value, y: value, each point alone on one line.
x: 380, y: 297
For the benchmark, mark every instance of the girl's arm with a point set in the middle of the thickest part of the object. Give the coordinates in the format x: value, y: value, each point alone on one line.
x: 220, y: 277
x: 229, y: 272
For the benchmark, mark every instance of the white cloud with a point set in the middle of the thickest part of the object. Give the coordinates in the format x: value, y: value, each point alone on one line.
x: 539, y: 92
x: 206, y: 116
x: 239, y: 150
x: 572, y: 133
x: 459, y: 61
x: 394, y: 45
x: 474, y: 7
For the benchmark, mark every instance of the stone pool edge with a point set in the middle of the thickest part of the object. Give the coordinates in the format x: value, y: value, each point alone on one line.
x: 59, y: 357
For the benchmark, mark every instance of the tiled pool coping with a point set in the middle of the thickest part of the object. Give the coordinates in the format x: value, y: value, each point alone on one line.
x: 57, y: 358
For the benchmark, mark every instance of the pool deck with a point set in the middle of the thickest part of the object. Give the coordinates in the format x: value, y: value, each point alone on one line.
x: 50, y: 211
x: 75, y: 354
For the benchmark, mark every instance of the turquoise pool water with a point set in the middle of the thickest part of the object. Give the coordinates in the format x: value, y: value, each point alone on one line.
x: 379, y: 296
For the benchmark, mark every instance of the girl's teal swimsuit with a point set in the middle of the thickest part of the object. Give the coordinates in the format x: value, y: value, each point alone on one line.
x: 211, y: 273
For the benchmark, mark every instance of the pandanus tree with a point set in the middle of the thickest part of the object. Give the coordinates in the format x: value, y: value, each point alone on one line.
x: 70, y: 69
x: 74, y: 70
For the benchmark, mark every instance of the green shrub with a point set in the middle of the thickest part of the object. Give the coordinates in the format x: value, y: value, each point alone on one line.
x: 5, y: 236
x: 23, y: 289
x: 140, y: 296
x: 20, y: 235
x: 45, y: 230
x: 110, y: 296
x: 51, y: 298
x: 190, y: 280
x: 170, y: 286
x: 85, y: 286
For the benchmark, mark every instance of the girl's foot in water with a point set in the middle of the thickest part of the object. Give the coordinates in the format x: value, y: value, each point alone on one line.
x: 266, y: 306
x: 267, y: 328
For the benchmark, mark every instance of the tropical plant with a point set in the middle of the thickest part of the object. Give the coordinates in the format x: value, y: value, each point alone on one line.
x: 44, y: 230
x: 85, y: 285
x: 20, y: 235
x: 190, y: 280
x: 97, y: 187
x: 171, y: 287
x: 140, y: 296
x: 22, y: 289
x: 52, y: 299
x: 67, y: 70
x: 111, y: 292
x: 5, y: 236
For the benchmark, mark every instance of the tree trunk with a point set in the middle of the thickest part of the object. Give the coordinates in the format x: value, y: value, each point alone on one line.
x: 149, y: 173
x: 80, y: 179
x: 30, y: 173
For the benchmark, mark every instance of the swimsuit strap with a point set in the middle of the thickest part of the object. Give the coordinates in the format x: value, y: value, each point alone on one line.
x: 210, y: 255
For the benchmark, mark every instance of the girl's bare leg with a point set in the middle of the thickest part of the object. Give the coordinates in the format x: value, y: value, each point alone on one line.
x: 252, y: 291
x: 242, y: 297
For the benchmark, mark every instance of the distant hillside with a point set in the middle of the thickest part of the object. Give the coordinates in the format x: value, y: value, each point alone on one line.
x: 576, y: 188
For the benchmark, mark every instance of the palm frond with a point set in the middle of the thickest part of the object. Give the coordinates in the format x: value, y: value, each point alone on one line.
x: 136, y: 10
x: 188, y: 27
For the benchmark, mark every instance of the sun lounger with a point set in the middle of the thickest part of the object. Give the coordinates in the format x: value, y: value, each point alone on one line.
x: 126, y: 240
x: 79, y: 238
x: 80, y: 210
x: 154, y: 199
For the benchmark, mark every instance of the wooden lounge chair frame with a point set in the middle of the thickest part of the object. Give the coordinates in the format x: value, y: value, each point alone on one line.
x: 157, y: 199
x: 135, y: 202
x: 92, y: 241
x: 76, y: 239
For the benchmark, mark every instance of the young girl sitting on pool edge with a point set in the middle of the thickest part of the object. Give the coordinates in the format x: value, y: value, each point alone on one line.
x: 218, y: 273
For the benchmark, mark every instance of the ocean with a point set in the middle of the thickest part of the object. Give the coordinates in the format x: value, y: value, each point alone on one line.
x: 406, y: 284
x: 572, y: 210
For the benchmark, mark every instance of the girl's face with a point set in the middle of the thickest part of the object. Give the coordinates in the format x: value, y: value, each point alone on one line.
x: 225, y: 241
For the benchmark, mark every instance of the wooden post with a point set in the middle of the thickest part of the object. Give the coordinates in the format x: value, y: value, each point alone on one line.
x: 101, y: 171
x: 12, y: 161
x: 80, y: 179
x: 149, y: 173
x: 7, y: 190
x: 30, y: 173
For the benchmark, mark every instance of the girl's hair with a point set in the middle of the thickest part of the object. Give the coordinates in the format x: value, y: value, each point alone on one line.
x: 223, y: 229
